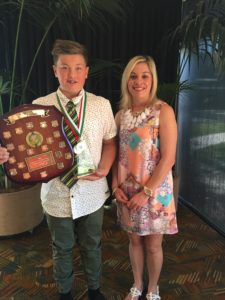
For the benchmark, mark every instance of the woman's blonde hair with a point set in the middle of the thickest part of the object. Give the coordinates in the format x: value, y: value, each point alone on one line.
x: 125, y: 101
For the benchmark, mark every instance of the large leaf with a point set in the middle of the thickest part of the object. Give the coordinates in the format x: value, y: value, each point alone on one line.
x: 59, y: 14
x: 202, y: 32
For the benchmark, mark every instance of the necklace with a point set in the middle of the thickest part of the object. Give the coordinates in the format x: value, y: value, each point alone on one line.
x: 131, y: 121
x: 137, y: 113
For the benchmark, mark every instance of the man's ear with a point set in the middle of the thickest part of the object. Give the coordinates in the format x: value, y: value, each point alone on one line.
x: 54, y: 70
x: 87, y: 70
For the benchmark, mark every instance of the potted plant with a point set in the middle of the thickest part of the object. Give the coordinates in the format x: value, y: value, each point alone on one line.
x: 201, y: 34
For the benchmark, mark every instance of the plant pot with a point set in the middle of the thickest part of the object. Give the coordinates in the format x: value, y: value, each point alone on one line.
x: 20, y: 211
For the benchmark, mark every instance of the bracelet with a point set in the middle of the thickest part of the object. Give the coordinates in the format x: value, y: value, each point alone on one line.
x: 148, y: 191
x: 114, y: 190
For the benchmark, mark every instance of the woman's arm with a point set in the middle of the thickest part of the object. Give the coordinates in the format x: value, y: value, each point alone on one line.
x: 115, y: 164
x: 119, y: 194
x: 168, y: 142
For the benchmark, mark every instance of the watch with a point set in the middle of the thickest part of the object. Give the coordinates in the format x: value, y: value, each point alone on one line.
x: 148, y: 192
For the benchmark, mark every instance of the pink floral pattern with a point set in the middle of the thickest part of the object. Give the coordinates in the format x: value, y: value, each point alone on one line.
x: 139, y: 154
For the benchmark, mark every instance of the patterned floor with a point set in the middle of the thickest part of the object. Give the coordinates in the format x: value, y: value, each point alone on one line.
x: 194, y: 263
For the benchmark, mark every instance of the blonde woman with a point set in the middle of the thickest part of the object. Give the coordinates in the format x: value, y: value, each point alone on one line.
x: 142, y: 178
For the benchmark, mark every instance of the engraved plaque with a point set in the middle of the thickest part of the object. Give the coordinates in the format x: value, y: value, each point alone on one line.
x: 60, y: 165
x: 21, y: 147
x: 62, y: 145
x: 10, y: 147
x: 12, y: 160
x: 7, y: 134
x: 67, y: 155
x: 30, y: 125
x: 30, y: 152
x: 37, y: 144
x: 26, y: 176
x: 49, y: 140
x: 19, y: 130
x: 13, y: 172
x: 55, y: 123
x: 43, y: 125
x: 44, y: 148
x: 58, y: 154
x: 44, y: 174
x: 21, y: 165
x: 56, y: 134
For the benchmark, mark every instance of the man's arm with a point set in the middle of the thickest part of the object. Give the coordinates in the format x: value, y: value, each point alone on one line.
x: 107, y: 159
x: 108, y: 156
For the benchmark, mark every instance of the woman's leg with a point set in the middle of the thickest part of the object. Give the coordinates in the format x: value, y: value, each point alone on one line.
x: 136, y: 251
x: 154, y: 252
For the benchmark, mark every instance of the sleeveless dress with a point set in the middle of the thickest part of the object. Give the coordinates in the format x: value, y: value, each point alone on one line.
x: 139, y: 153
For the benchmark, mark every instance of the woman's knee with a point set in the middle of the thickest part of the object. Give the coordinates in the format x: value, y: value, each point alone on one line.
x: 135, y: 240
x: 153, y: 244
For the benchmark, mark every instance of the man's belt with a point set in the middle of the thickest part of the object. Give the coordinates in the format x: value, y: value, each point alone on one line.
x: 34, y: 137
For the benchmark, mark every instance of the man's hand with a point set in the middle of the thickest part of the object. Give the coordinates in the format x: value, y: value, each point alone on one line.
x: 99, y: 173
x: 4, y: 155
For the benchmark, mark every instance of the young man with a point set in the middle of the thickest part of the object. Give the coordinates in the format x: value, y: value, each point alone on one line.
x: 75, y: 213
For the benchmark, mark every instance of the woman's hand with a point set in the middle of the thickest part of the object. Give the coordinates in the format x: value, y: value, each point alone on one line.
x: 120, y: 196
x: 138, y: 201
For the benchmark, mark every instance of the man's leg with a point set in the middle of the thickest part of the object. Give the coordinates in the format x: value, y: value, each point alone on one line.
x: 62, y: 234
x: 89, y: 232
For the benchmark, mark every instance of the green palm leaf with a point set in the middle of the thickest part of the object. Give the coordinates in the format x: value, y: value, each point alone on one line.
x: 202, y: 32
x: 60, y: 15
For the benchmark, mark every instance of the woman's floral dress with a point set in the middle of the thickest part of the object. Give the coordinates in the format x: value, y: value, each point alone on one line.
x: 139, y: 154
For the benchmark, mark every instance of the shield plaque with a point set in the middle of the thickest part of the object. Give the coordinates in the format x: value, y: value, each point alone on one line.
x: 34, y: 137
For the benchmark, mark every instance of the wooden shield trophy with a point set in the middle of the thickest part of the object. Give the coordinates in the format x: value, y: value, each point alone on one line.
x: 34, y: 137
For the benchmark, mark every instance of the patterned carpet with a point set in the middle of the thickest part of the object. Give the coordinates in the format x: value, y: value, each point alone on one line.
x: 194, y: 263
